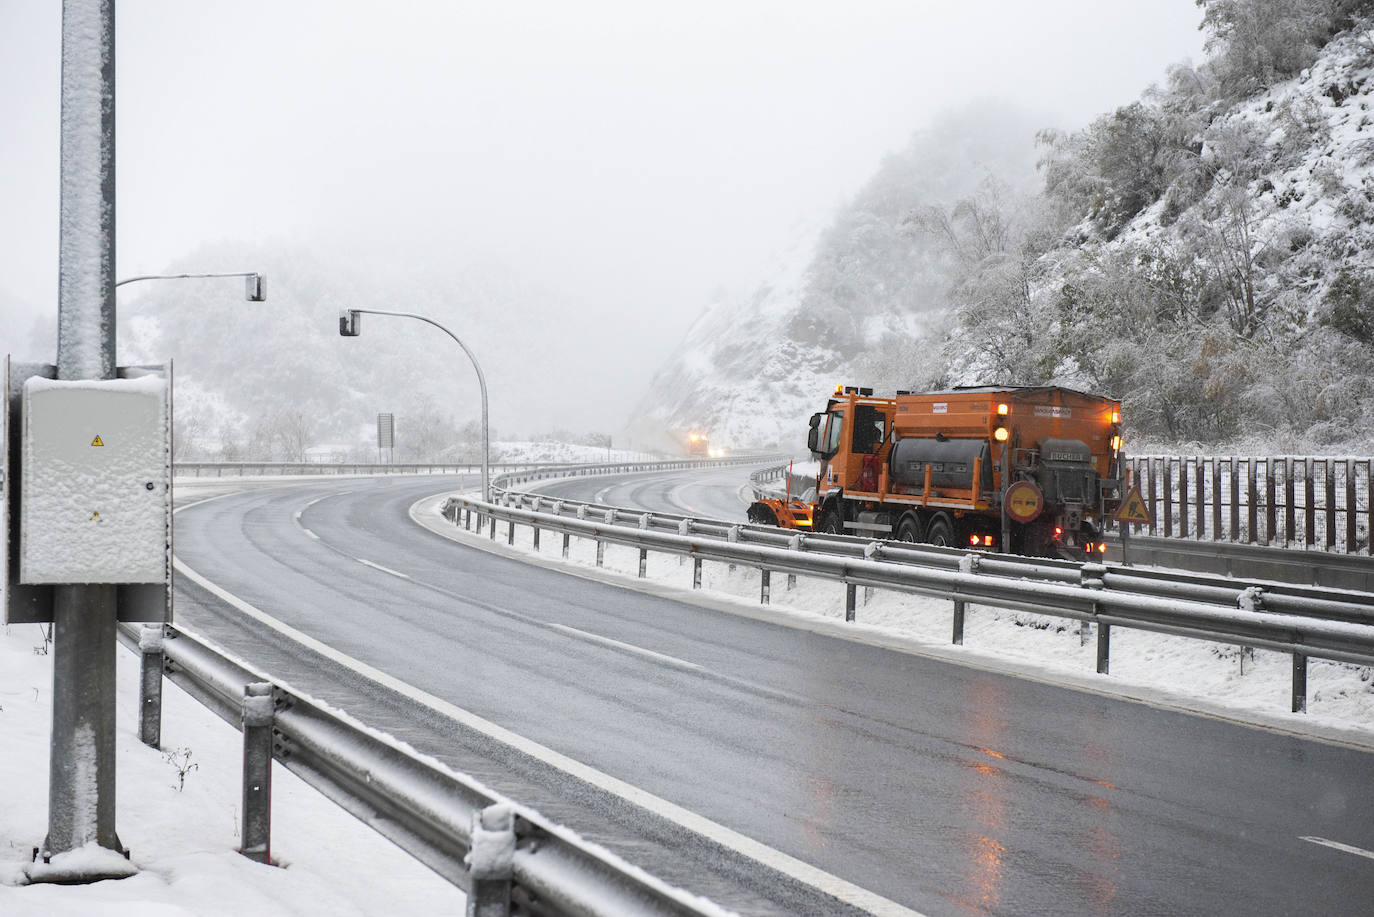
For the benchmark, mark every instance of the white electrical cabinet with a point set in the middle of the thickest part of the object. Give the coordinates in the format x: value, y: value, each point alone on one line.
x: 95, y: 489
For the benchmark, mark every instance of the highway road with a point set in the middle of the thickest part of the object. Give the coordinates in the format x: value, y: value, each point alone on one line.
x: 713, y: 493
x: 944, y: 788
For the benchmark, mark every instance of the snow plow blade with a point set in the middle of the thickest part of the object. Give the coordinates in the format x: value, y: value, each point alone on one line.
x: 785, y: 514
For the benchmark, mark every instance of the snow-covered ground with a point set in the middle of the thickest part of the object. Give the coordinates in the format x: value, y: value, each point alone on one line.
x: 1253, y: 686
x: 516, y: 452
x: 183, y: 838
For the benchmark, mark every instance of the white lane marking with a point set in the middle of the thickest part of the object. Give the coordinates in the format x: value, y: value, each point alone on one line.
x: 629, y: 647
x: 834, y: 886
x: 297, y: 514
x: 600, y: 495
x: 1337, y: 845
x: 310, y: 533
x: 369, y: 563
x: 675, y: 496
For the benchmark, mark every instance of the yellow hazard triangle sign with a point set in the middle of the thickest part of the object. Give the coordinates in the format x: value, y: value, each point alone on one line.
x: 1133, y: 508
x: 97, y: 441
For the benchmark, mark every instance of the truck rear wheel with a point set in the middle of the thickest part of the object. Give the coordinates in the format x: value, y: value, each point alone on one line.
x: 909, y: 529
x: 940, y: 532
x: 830, y: 523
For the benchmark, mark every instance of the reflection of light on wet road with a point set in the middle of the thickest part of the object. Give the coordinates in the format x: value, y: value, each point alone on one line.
x: 987, y: 857
x: 986, y: 800
x: 1106, y: 852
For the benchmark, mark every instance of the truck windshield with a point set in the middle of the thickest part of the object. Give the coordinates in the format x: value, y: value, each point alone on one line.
x: 833, y: 432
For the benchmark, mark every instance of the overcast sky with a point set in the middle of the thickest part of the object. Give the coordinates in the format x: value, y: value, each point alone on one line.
x: 637, y: 155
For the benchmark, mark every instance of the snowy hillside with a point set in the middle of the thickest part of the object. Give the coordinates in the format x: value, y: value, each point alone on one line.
x: 1221, y: 225
x: 847, y: 304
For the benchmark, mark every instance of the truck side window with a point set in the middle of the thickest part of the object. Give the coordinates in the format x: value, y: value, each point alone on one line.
x: 869, y: 429
x: 833, y: 432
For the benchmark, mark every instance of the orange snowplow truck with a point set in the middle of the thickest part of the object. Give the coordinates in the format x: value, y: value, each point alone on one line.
x: 1021, y: 469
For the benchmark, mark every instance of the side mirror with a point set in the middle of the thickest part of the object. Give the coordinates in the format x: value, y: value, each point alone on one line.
x: 349, y: 321
x: 811, y: 438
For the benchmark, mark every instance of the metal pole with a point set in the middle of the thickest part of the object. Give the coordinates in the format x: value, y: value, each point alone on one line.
x: 150, y: 645
x: 481, y: 381
x: 81, y: 766
x: 259, y: 713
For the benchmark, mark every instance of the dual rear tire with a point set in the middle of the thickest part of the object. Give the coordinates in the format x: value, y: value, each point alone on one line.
x: 939, y: 531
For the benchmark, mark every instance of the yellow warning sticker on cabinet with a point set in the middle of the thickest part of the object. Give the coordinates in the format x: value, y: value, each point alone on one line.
x: 97, y: 441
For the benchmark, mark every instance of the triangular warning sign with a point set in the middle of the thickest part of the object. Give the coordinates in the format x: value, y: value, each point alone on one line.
x: 1133, y: 508
x: 96, y: 441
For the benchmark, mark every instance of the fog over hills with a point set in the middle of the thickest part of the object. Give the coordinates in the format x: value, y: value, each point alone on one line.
x: 269, y: 379
x: 865, y: 300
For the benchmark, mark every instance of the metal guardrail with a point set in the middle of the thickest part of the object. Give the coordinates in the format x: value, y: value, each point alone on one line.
x: 448, y: 821
x: 1302, y: 621
x: 245, y: 469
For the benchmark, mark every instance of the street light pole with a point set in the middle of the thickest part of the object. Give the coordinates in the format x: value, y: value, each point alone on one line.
x: 349, y: 327
x: 257, y: 289
x: 81, y: 766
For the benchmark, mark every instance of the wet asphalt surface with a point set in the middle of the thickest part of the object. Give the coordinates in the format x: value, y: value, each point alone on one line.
x: 945, y: 788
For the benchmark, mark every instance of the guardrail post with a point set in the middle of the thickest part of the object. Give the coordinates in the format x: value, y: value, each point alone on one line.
x: 1199, y: 495
x: 643, y: 562
x: 258, y: 714
x: 1169, y: 497
x: 1270, y: 513
x: 765, y: 587
x: 1183, y: 498
x: 566, y: 540
x: 849, y: 590
x: 1309, y: 493
x: 1150, y: 493
x: 491, y: 861
x: 1369, y: 506
x: 696, y: 572
x: 1235, y: 499
x: 1251, y: 496
x: 1299, y: 683
x: 150, y: 685
x: 1104, y: 648
x: 491, y: 526
x: 1350, y: 535
x: 1289, y: 504
x: 1216, y: 499
x: 600, y: 552
x: 535, y: 530
x: 510, y: 533
x: 1329, y: 479
x: 467, y: 519
x: 958, y: 637
x: 794, y: 543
